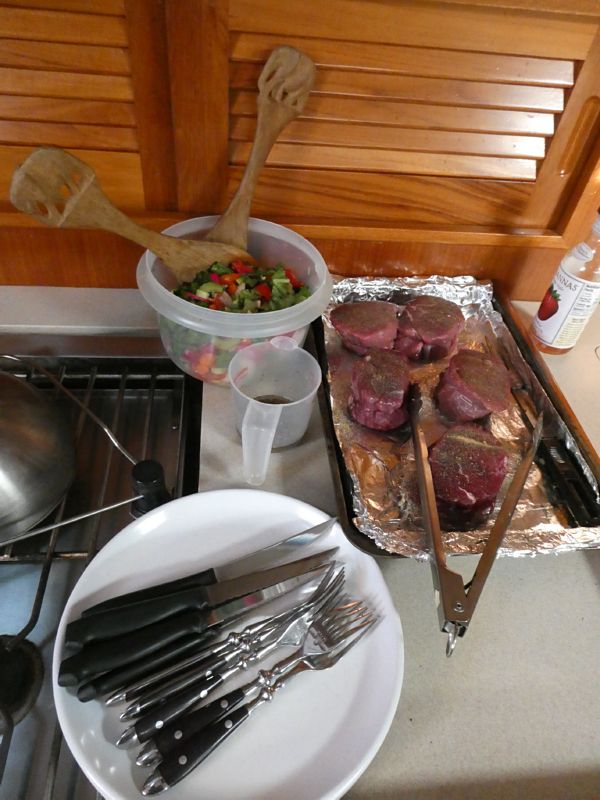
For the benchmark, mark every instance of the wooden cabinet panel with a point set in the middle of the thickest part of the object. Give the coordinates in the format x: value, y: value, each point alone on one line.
x: 87, y: 6
x: 60, y: 109
x: 412, y: 115
x: 68, y: 135
x: 374, y: 160
x: 424, y: 61
x: 426, y: 89
x: 442, y: 135
x: 63, y: 56
x: 119, y: 174
x: 358, y: 199
x: 440, y: 90
x: 54, y: 25
x: 455, y: 27
x: 65, y: 81
x: 198, y: 52
x: 308, y: 131
x: 42, y: 83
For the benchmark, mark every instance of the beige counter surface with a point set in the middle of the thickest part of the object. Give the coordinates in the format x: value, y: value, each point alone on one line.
x: 514, y: 713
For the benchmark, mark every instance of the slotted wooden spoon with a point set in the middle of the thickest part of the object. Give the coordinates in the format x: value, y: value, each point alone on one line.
x: 284, y: 85
x: 63, y: 192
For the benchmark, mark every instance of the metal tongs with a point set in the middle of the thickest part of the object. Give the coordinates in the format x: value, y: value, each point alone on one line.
x: 457, y: 600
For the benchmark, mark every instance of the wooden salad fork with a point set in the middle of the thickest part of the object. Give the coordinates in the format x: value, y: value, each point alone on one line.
x: 62, y: 191
x: 284, y: 85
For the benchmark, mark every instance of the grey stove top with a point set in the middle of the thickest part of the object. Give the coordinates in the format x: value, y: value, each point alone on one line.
x: 154, y: 410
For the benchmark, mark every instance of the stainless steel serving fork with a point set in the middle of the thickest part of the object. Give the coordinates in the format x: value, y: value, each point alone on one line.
x: 329, y: 638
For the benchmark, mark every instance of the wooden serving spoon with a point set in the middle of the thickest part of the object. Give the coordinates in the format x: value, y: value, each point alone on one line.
x: 63, y: 192
x: 284, y: 85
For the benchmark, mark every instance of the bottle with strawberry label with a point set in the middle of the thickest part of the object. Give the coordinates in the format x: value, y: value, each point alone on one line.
x: 571, y: 298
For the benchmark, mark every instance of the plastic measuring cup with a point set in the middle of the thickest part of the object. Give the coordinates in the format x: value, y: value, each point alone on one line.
x: 273, y: 385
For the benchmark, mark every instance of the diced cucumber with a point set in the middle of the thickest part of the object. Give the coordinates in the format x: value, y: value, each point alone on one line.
x: 211, y: 288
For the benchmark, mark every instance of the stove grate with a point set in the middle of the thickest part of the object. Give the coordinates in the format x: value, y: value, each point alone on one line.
x: 154, y: 411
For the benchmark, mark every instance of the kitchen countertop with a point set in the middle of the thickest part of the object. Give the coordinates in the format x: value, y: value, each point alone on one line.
x: 514, y: 713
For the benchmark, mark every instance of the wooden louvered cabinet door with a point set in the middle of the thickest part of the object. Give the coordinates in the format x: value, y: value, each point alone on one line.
x: 440, y: 137
x: 448, y: 136
x: 89, y: 76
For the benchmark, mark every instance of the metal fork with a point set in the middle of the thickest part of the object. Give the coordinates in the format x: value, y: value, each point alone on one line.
x: 330, y: 637
x: 292, y: 632
x: 340, y: 611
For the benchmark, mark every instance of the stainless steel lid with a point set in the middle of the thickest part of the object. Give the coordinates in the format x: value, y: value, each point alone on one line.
x: 37, y: 456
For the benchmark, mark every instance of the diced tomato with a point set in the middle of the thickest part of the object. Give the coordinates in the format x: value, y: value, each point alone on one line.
x: 264, y: 290
x: 217, y: 304
x: 293, y: 278
x: 239, y: 267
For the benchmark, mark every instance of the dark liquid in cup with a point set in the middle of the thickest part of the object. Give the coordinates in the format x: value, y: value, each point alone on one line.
x: 273, y: 399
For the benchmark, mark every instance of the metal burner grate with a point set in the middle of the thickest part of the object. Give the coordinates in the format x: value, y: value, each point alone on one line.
x: 154, y: 411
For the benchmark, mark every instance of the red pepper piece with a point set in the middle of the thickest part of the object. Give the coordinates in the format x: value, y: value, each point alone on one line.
x: 293, y: 278
x: 217, y: 304
x: 239, y: 267
x: 264, y: 290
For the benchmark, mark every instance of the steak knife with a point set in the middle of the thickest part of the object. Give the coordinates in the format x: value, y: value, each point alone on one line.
x: 129, y: 618
x: 110, y: 654
x: 110, y: 682
x: 287, y: 546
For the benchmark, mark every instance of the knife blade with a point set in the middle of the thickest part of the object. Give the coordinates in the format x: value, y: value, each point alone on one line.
x: 278, y: 551
x: 110, y: 654
x: 118, y: 621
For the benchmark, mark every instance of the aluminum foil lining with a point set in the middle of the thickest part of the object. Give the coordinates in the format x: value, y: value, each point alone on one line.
x: 381, y: 466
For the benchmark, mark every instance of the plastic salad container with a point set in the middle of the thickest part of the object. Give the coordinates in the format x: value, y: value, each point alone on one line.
x: 201, y: 341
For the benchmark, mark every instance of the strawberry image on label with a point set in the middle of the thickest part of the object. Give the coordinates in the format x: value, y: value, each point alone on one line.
x: 549, y: 305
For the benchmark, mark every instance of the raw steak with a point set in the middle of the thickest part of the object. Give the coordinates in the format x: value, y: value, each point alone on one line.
x: 473, y: 386
x: 428, y: 328
x: 378, y: 390
x: 367, y: 325
x: 468, y: 466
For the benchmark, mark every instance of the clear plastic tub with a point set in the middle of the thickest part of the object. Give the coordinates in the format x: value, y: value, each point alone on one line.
x: 202, y: 342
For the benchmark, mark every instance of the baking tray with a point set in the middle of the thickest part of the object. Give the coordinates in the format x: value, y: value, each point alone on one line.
x: 568, y: 464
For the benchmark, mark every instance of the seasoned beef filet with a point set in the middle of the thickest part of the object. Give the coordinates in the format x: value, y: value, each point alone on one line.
x: 367, y: 325
x: 468, y: 466
x: 473, y: 386
x: 428, y: 328
x: 378, y: 390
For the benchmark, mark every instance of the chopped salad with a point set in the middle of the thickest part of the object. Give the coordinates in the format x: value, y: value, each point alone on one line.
x: 244, y: 289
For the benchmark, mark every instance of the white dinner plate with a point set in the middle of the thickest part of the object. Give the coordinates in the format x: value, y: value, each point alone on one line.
x: 320, y: 732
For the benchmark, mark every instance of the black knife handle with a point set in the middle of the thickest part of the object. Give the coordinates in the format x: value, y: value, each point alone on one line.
x: 119, y: 621
x: 173, y: 735
x: 121, y: 678
x: 182, y: 760
x: 205, y: 578
x: 157, y: 695
x: 98, y: 657
x: 147, y: 726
